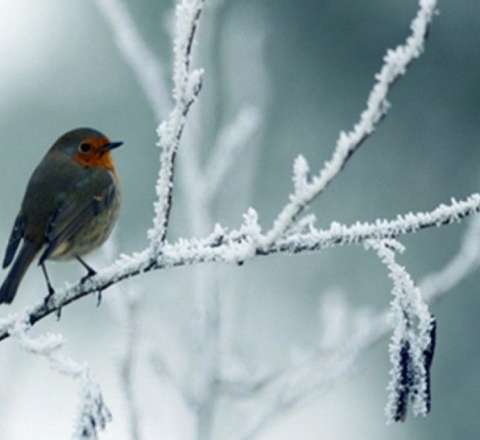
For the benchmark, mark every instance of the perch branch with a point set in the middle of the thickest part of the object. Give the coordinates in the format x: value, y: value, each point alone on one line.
x: 236, y: 247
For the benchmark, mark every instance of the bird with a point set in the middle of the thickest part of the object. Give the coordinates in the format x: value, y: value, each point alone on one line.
x: 69, y: 209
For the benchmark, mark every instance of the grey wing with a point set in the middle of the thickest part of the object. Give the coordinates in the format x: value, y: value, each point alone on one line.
x: 14, y: 240
x: 91, y: 198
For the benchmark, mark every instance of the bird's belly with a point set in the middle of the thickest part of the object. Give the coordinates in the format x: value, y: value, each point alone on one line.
x: 90, y: 236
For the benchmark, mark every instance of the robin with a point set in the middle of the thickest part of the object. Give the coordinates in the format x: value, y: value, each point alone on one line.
x: 69, y: 209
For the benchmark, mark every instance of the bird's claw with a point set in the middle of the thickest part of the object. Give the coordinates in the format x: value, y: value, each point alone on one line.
x: 51, y: 293
x: 58, y: 313
x: 90, y: 274
x: 99, y: 298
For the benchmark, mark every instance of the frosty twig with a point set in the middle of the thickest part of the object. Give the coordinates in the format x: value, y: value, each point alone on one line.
x: 238, y: 246
x: 187, y: 86
x: 413, y: 340
x: 93, y: 413
x: 395, y: 65
x: 322, y: 370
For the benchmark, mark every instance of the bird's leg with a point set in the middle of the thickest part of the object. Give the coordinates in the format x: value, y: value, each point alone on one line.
x: 90, y: 271
x: 51, y: 290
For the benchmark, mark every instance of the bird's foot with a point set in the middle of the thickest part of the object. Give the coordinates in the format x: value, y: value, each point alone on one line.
x: 51, y: 293
x: 91, y: 273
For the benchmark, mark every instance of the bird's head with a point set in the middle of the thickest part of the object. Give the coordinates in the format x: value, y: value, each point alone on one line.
x: 88, y: 147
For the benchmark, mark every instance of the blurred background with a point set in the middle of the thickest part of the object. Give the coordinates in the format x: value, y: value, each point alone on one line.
x: 307, y: 68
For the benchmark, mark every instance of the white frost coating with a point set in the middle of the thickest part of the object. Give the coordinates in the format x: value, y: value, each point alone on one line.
x: 187, y: 85
x: 395, y: 65
x: 201, y: 185
x: 368, y: 331
x: 305, y: 225
x: 411, y: 338
x: 187, y: 15
x: 237, y: 246
x: 250, y: 227
x: 93, y: 413
x: 137, y: 54
x: 300, y: 175
x: 338, y: 234
x: 233, y: 247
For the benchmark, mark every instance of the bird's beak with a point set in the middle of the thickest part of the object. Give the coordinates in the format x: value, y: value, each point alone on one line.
x: 112, y: 145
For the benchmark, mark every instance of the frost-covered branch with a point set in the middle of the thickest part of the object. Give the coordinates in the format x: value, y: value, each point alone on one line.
x: 322, y: 370
x: 338, y: 234
x: 238, y: 246
x: 93, y: 413
x: 143, y: 62
x: 187, y: 86
x: 283, y: 390
x: 413, y: 340
x: 395, y: 65
x: 201, y: 185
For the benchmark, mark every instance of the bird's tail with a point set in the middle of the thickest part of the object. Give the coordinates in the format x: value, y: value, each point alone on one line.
x: 22, y: 262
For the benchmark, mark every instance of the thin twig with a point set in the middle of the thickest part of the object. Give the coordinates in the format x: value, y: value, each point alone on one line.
x: 93, y: 414
x: 395, y: 65
x: 321, y: 372
x: 187, y: 86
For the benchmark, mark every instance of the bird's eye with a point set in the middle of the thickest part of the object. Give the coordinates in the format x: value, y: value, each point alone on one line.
x: 84, y: 148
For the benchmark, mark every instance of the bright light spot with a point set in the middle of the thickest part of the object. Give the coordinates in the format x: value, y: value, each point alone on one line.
x: 25, y: 32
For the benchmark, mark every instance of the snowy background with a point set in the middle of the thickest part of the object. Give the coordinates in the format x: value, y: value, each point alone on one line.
x: 309, y: 66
